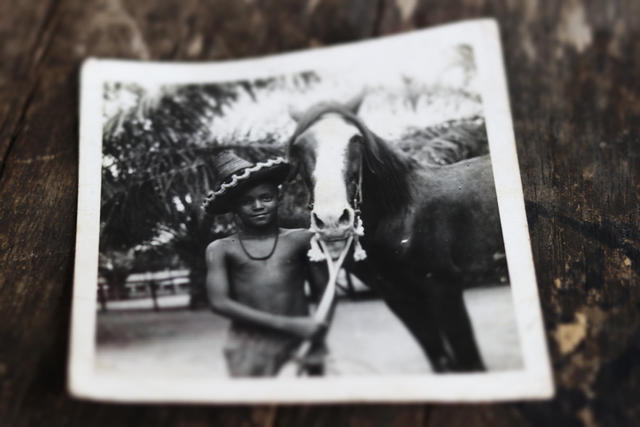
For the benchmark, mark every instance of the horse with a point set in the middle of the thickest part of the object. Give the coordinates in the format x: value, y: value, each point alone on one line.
x: 428, y: 229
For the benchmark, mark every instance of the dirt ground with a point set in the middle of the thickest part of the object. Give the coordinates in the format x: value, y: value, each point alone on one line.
x: 365, y: 338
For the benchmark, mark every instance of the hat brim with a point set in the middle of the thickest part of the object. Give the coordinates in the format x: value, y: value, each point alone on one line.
x: 219, y: 202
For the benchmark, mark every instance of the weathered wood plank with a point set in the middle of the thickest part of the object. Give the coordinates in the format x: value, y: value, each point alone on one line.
x: 572, y: 68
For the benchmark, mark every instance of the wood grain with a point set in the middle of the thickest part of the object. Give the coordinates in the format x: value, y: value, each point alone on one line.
x: 573, y: 70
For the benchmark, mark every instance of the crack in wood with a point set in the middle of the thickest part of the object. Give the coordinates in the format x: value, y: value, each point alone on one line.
x: 613, y: 235
x: 17, y: 130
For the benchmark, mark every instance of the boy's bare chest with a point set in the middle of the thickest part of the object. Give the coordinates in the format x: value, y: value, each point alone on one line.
x: 273, y: 284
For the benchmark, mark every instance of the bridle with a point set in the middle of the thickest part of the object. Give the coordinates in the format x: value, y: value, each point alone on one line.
x: 316, y: 253
x: 357, y: 195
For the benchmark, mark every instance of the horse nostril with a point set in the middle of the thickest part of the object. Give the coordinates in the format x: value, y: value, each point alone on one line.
x: 345, y: 218
x: 318, y: 221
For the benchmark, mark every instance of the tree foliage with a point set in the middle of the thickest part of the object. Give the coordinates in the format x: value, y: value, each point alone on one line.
x: 155, y: 159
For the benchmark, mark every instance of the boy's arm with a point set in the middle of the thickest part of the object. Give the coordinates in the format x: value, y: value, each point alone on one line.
x: 218, y: 293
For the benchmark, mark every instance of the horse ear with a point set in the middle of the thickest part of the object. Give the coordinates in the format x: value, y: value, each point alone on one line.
x: 372, y: 151
x: 293, y: 170
x: 355, y: 103
x: 295, y: 114
x: 294, y: 164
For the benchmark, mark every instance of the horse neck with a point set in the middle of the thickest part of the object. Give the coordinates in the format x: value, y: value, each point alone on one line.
x: 388, y: 181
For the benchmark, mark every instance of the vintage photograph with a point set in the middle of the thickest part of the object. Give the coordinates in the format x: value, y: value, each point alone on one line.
x: 345, y: 222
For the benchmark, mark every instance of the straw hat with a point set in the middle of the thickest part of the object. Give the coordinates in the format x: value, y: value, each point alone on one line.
x: 234, y: 173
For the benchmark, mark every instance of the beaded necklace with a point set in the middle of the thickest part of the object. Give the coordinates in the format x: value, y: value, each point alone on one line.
x: 259, y: 258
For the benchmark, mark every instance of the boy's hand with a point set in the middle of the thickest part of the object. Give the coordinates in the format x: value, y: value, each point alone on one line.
x: 308, y: 327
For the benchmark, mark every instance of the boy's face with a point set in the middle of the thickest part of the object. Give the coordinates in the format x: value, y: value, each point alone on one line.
x: 257, y: 206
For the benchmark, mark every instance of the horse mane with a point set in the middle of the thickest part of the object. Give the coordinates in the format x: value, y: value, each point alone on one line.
x: 386, y: 171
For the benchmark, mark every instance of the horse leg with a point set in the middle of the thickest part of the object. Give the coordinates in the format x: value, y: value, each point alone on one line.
x: 419, y: 319
x: 444, y: 287
x: 408, y: 304
x: 448, y: 304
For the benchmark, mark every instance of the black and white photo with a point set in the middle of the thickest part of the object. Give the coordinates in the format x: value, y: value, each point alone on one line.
x: 339, y: 224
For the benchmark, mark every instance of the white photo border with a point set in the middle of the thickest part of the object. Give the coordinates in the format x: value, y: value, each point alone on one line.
x: 534, y: 381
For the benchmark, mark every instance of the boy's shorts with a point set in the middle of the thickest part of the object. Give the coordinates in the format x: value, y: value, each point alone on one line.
x: 257, y: 352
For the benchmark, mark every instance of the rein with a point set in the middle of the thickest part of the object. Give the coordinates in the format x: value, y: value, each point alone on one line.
x: 357, y: 196
x: 318, y: 252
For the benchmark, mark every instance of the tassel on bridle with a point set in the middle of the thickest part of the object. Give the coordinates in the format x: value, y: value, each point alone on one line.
x: 359, y: 254
x: 315, y: 254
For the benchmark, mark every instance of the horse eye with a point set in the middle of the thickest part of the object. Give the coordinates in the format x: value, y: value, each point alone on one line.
x: 356, y: 138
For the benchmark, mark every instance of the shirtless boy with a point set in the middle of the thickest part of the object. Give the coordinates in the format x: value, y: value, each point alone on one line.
x: 256, y: 276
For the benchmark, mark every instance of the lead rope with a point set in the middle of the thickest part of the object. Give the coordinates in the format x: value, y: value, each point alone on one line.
x: 318, y: 251
x: 321, y: 313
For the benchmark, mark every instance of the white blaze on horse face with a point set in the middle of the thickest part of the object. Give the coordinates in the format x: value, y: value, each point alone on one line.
x: 332, y: 136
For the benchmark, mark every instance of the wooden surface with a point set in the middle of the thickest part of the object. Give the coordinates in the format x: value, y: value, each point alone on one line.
x: 574, y: 76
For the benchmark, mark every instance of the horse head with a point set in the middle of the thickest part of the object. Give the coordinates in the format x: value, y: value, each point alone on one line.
x: 325, y: 151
